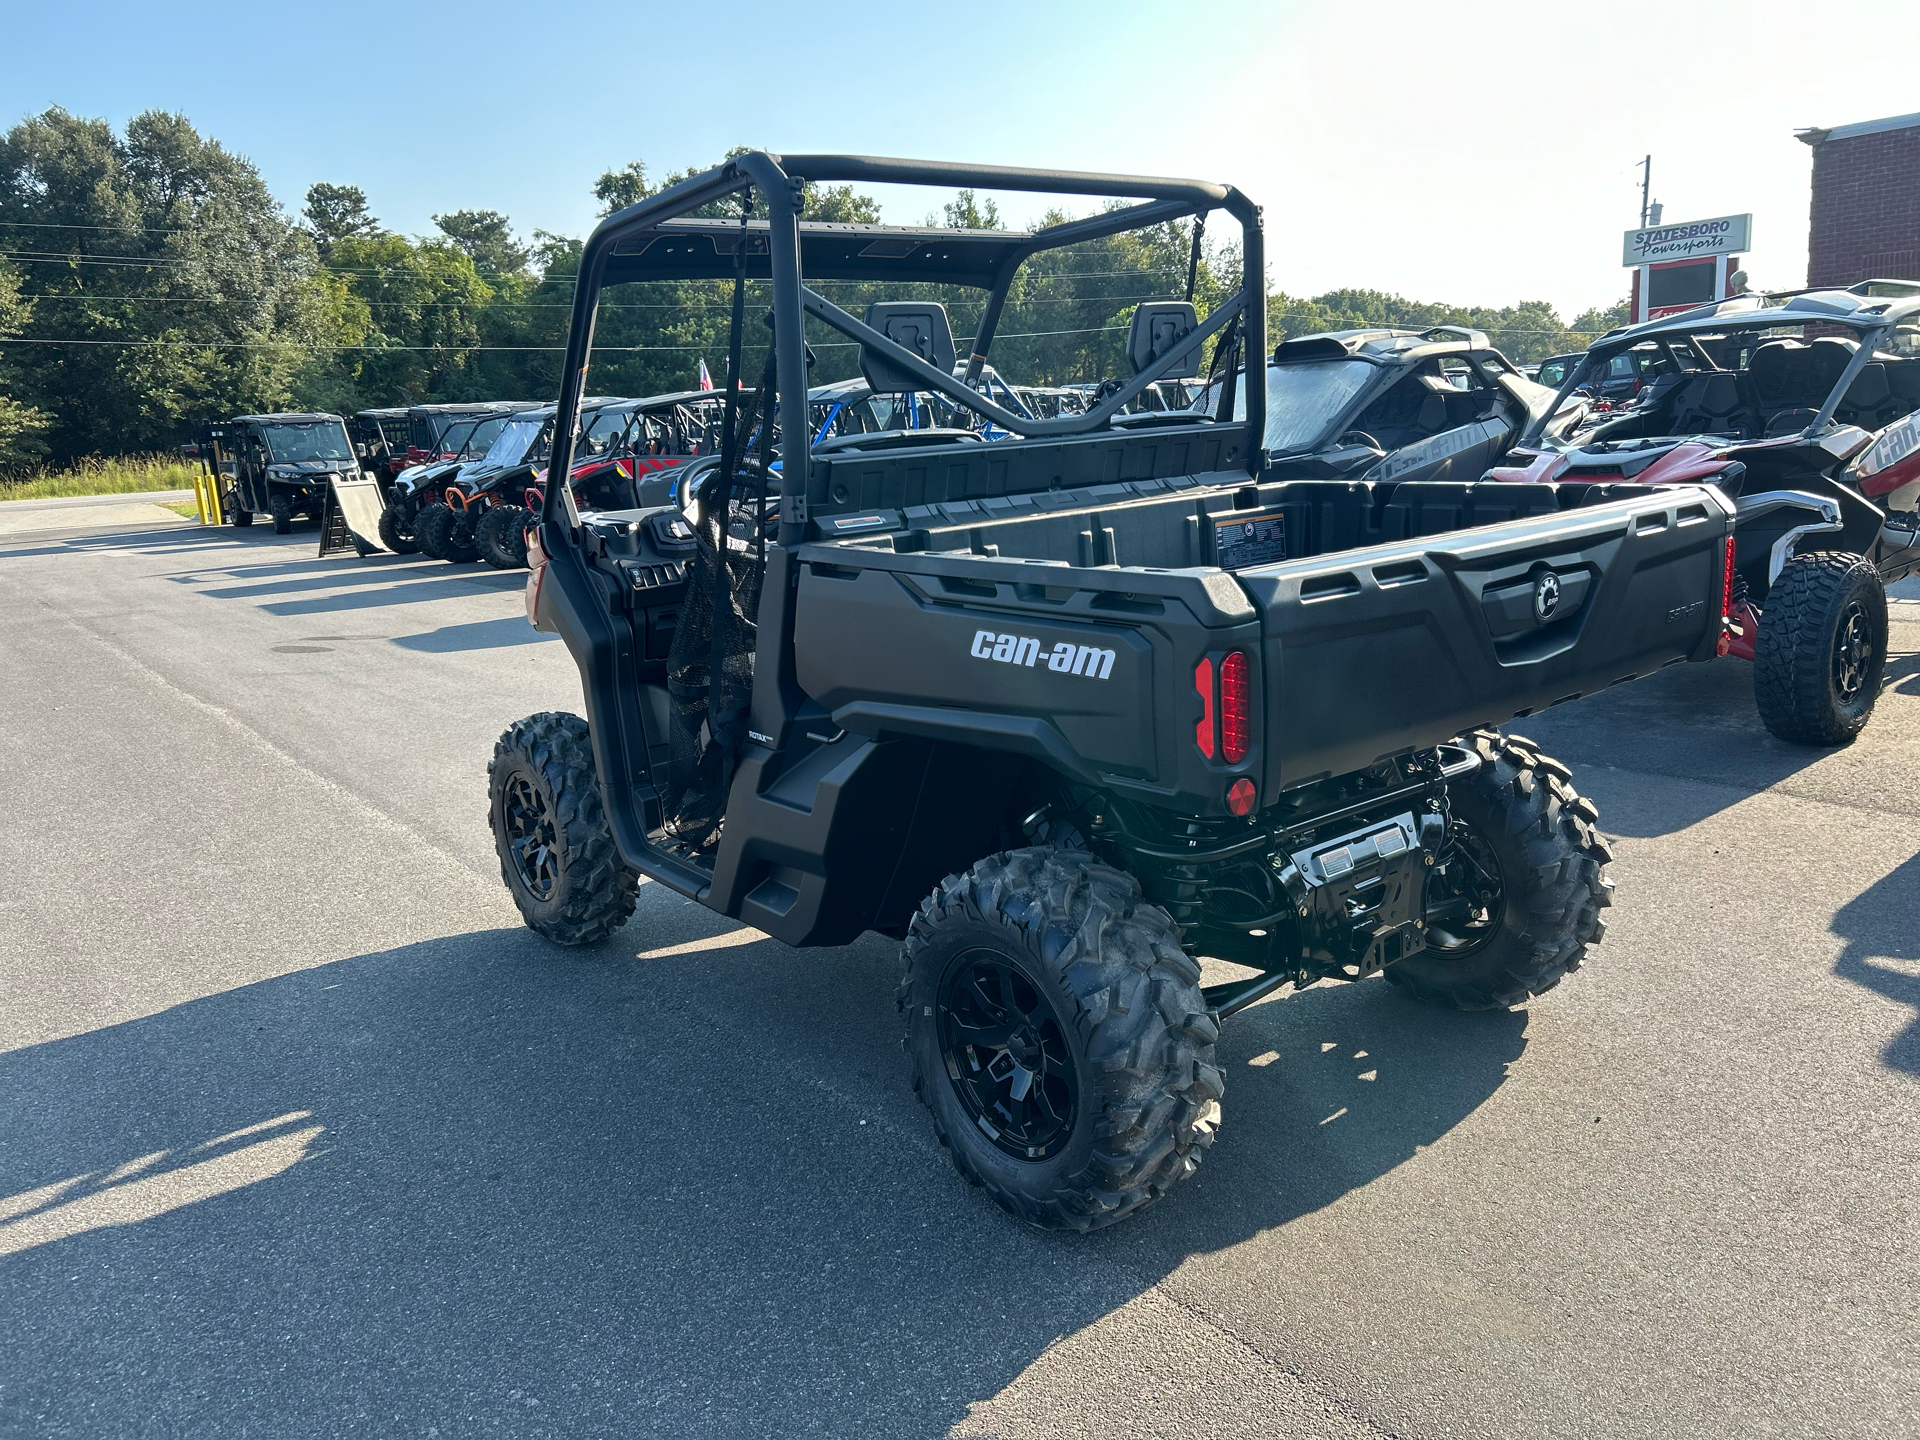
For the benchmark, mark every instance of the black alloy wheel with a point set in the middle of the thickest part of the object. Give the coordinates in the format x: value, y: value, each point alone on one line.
x: 1465, y: 896
x: 530, y: 836
x: 1006, y: 1055
x: 1853, y: 653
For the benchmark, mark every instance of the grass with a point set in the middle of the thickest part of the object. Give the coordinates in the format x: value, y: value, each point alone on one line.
x: 122, y: 476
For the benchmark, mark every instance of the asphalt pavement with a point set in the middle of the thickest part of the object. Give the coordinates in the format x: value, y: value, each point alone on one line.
x: 301, y: 1133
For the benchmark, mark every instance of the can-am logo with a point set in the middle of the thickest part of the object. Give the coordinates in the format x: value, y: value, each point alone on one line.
x: 1094, y: 663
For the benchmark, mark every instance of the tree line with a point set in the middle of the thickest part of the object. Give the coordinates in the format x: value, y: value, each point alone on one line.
x: 149, y: 282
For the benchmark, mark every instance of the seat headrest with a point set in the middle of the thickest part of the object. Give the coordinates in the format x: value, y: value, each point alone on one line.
x: 1159, y: 327
x: 916, y: 325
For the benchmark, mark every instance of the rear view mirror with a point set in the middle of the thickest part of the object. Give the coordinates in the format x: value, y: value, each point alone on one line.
x: 914, y: 325
x: 1159, y: 328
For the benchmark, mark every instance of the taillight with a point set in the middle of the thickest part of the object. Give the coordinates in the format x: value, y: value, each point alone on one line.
x: 1226, y: 707
x: 1203, y: 682
x: 1236, y: 709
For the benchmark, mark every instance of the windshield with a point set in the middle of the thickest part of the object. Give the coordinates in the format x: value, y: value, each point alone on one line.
x: 515, y: 439
x: 1303, y: 400
x: 295, y: 440
x: 477, y: 440
x: 602, y: 432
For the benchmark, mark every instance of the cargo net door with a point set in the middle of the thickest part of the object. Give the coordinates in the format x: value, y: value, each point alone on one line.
x: 710, y: 668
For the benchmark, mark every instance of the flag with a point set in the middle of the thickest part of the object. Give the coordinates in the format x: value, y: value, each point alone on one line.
x: 706, y: 380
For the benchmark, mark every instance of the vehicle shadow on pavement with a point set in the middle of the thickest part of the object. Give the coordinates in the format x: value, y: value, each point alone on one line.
x: 479, y: 1183
x: 1878, y: 925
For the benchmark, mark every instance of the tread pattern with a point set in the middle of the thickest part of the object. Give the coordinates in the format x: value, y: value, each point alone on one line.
x: 501, y: 537
x: 1553, y: 859
x: 595, y: 893
x: 1793, y: 657
x: 280, y: 507
x: 392, y: 537
x: 1134, y: 1005
x: 430, y: 528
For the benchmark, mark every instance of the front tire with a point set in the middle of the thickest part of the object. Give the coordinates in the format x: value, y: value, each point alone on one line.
x: 458, y: 543
x: 1058, y: 1036
x: 1517, y: 903
x: 281, y: 508
x: 550, y: 831
x: 1822, y: 649
x: 395, y: 535
x: 502, y: 537
x: 430, y: 528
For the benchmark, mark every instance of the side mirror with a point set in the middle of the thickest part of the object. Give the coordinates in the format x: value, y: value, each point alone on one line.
x: 1159, y: 328
x: 914, y: 325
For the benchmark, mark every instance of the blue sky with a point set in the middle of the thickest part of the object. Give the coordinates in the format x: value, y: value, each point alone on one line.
x: 1474, y: 153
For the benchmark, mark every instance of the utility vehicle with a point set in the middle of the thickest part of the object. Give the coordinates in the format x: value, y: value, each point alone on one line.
x: 1070, y: 711
x: 461, y: 442
x: 380, y: 440
x: 1805, y: 409
x: 622, y: 445
x: 278, y: 464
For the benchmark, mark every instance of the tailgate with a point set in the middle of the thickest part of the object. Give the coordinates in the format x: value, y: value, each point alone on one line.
x: 1373, y: 651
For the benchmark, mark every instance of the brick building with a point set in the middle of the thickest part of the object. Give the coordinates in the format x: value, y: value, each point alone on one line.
x: 1866, y: 202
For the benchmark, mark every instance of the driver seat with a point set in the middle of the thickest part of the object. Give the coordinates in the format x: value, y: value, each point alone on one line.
x: 1710, y: 404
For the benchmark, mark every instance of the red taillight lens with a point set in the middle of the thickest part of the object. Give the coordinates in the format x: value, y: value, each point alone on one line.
x: 1203, y: 682
x: 1240, y: 796
x: 1726, y: 584
x: 1236, y: 709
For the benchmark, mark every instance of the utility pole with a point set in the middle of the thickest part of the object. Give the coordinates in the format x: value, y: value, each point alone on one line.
x: 1646, y: 186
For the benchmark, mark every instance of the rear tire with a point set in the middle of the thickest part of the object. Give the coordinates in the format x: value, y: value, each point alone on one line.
x: 430, y: 528
x: 502, y: 537
x: 1822, y: 649
x: 237, y: 514
x: 394, y: 536
x: 550, y: 831
x: 1090, y: 984
x: 281, y: 508
x: 1518, y: 823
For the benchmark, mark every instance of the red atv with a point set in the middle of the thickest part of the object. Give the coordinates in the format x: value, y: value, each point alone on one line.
x: 1803, y: 409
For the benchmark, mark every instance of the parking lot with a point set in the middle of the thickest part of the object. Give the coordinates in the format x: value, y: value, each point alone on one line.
x: 301, y: 1132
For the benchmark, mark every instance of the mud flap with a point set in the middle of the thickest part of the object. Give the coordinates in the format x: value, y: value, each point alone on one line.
x: 350, y: 518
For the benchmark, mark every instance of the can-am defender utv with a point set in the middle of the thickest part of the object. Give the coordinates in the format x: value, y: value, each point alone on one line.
x: 1805, y: 407
x: 1068, y: 711
x: 278, y: 464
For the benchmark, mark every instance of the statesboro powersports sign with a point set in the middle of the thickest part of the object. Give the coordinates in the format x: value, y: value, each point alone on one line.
x: 1727, y: 235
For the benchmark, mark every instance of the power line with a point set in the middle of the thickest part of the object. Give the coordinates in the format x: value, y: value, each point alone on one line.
x: 471, y: 349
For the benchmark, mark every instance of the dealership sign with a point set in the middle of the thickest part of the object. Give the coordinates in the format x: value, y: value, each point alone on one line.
x: 1727, y: 235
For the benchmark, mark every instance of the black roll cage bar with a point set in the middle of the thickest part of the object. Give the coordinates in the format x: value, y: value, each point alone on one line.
x: 782, y: 180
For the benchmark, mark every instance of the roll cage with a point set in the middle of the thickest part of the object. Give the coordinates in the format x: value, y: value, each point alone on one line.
x: 654, y: 240
x: 1862, y: 309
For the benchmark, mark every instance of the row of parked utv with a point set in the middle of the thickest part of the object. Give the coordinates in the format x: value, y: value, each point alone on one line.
x: 1068, y: 692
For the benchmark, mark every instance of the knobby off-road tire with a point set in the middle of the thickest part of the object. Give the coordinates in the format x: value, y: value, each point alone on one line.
x: 1129, y: 1033
x: 502, y: 537
x: 281, y: 508
x: 458, y: 544
x: 430, y: 528
x: 395, y: 536
x: 550, y: 831
x: 1822, y: 650
x: 237, y: 514
x: 1518, y: 819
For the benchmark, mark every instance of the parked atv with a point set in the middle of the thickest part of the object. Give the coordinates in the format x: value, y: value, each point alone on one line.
x: 1818, y: 440
x: 1068, y: 711
x: 419, y: 487
x: 278, y: 464
x: 622, y: 445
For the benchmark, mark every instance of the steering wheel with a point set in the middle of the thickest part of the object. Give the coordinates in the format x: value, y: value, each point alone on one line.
x: 1363, y: 438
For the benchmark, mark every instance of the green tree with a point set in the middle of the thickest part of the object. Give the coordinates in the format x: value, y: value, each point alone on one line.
x: 21, y: 426
x: 487, y: 238
x: 338, y: 212
x: 167, y: 285
x: 967, y: 212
